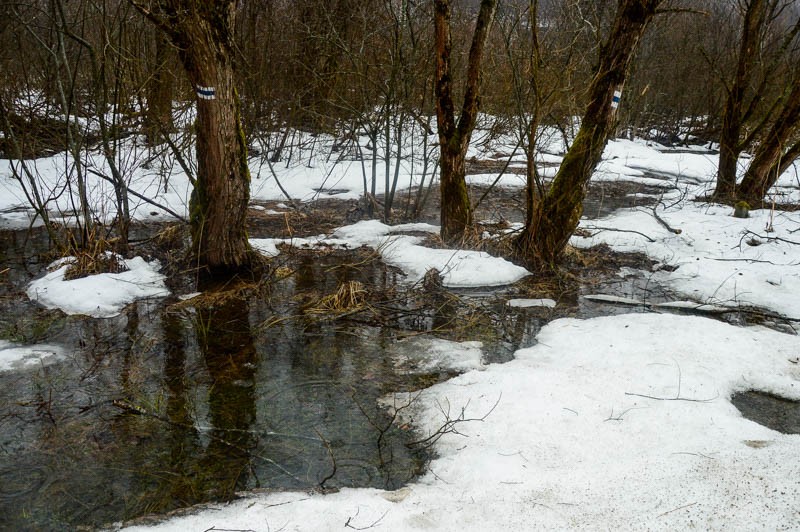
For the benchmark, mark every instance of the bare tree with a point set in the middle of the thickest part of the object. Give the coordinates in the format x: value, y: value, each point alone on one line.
x: 454, y: 136
x: 730, y: 143
x: 779, y: 148
x: 556, y: 215
x: 203, y: 31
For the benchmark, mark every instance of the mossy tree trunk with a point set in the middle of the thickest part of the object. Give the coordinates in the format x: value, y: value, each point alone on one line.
x: 454, y: 136
x: 775, y: 152
x: 555, y: 216
x: 202, y: 31
x: 733, y: 116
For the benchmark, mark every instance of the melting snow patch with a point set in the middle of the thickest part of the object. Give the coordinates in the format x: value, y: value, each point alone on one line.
x: 459, y: 268
x: 426, y: 355
x: 527, y: 303
x: 14, y: 356
x: 100, y: 296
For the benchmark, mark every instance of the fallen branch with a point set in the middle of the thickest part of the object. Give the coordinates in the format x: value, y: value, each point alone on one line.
x: 660, y: 220
x: 688, y: 399
x: 677, y: 395
x: 768, y: 238
x: 136, y: 194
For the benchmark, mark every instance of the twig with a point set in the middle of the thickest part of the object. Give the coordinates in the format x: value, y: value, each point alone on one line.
x: 597, y: 228
x: 676, y: 509
x: 768, y: 238
x: 449, y: 426
x: 611, y: 416
x: 677, y: 395
x: 673, y: 398
x: 378, y: 520
x: 333, y: 460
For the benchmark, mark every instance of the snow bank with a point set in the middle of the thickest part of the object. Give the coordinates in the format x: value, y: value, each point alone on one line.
x: 721, y: 260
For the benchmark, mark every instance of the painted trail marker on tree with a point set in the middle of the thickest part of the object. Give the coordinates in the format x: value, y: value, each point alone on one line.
x: 206, y: 93
x: 615, y: 100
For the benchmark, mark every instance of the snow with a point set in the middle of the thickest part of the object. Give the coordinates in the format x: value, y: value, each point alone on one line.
x: 565, y: 442
x: 721, y: 260
x: 528, y: 303
x: 458, y: 268
x: 605, y: 298
x: 100, y: 296
x: 425, y: 355
x: 15, y: 356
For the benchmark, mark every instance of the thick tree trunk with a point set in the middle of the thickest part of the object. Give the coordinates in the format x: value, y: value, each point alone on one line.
x: 456, y: 210
x: 219, y: 201
x: 202, y: 31
x: 556, y: 216
x: 730, y: 145
x: 772, y: 153
x: 454, y: 137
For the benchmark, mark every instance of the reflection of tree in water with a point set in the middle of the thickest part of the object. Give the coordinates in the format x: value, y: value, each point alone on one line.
x: 226, y: 344
x: 182, y: 438
x: 190, y: 474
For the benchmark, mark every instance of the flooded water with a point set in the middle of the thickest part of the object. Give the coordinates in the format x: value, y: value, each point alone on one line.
x: 775, y: 412
x: 170, y: 405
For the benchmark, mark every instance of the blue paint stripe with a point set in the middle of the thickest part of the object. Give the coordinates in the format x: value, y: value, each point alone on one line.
x: 203, y: 92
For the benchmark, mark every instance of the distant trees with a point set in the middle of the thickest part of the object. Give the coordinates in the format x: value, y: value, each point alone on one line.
x: 375, y: 75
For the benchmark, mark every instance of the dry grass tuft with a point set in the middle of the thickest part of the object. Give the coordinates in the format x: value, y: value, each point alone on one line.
x: 349, y: 297
x: 95, y: 258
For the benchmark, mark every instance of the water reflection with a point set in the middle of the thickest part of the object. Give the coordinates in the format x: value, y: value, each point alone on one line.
x: 226, y: 345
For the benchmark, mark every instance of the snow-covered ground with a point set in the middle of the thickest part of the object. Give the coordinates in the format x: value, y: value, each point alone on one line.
x: 621, y: 422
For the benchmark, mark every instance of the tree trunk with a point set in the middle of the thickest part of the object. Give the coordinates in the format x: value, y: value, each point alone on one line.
x: 556, y: 216
x: 202, y: 31
x: 772, y: 154
x: 730, y: 146
x: 454, y: 137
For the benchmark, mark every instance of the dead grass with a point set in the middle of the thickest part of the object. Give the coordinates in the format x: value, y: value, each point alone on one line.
x: 351, y: 296
x: 97, y: 257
